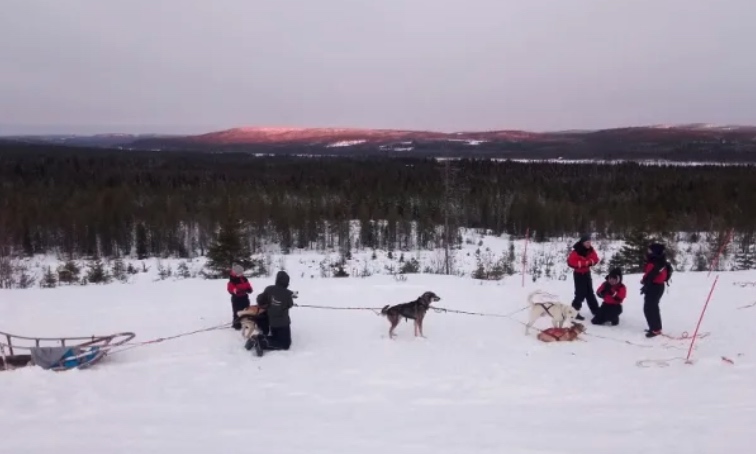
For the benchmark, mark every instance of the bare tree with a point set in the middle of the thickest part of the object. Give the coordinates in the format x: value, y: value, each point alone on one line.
x: 451, y: 211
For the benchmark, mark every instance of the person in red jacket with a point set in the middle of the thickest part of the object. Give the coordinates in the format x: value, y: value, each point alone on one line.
x: 581, y: 259
x: 239, y: 288
x: 656, y: 273
x: 613, y: 292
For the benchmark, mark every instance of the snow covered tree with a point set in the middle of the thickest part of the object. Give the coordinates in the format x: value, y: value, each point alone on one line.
x: 49, y: 279
x: 68, y: 273
x: 97, y: 273
x: 229, y: 247
x: 717, y: 241
x: 632, y: 256
x: 118, y: 270
x: 745, y: 257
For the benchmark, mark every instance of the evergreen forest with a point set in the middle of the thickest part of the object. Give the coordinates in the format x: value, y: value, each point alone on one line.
x: 83, y: 203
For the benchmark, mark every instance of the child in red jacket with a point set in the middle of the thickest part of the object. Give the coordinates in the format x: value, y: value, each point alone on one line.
x: 239, y: 288
x: 613, y: 292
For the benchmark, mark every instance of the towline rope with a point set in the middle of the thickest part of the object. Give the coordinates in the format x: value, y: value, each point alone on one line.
x: 132, y: 345
x: 377, y: 311
x: 683, y: 336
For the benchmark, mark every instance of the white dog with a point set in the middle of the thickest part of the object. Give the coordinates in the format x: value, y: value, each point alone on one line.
x: 559, y: 312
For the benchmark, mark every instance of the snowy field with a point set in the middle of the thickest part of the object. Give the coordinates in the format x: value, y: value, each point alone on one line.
x: 474, y: 385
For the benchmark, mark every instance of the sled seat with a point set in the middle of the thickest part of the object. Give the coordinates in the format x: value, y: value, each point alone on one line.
x: 65, y: 358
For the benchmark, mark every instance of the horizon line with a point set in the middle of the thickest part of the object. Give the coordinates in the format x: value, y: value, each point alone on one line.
x: 152, y: 130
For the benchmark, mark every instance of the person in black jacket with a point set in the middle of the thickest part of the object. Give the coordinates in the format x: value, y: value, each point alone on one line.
x: 277, y: 299
x: 656, y: 273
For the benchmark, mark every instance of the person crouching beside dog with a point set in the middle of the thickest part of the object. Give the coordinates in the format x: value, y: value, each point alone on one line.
x: 277, y: 299
x: 613, y: 292
x: 239, y: 288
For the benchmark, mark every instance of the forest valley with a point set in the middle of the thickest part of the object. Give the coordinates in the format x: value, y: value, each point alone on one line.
x: 101, y: 213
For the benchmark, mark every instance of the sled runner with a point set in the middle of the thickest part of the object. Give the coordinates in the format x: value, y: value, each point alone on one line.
x: 56, y: 353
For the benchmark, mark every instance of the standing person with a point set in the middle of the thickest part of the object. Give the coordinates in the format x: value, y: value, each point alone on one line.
x: 581, y: 259
x: 613, y: 292
x: 277, y: 299
x: 239, y: 288
x: 656, y: 274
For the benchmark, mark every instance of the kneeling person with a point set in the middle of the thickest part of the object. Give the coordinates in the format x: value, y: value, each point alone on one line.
x: 277, y: 299
x: 613, y: 292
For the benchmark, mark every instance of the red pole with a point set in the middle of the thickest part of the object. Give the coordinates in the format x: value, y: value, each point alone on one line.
x: 525, y: 254
x: 715, y: 260
x: 695, y: 333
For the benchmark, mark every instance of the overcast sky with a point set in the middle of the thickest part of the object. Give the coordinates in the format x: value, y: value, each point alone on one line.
x: 201, y: 65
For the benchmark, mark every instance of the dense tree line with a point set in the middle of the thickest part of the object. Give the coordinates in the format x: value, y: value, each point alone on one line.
x: 106, y: 203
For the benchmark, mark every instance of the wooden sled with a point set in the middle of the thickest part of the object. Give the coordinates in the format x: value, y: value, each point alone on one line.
x: 57, y: 353
x: 561, y: 334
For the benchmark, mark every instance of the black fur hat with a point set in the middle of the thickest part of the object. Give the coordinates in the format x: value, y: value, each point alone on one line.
x: 615, y: 272
x: 656, y: 248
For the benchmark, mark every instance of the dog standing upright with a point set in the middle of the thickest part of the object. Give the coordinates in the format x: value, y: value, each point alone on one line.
x: 559, y: 312
x: 414, y: 310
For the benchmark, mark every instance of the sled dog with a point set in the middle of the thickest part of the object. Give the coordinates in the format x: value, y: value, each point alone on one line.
x: 414, y: 310
x: 558, y: 312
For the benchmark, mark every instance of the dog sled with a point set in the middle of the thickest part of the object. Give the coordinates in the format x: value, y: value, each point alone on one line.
x: 57, y: 353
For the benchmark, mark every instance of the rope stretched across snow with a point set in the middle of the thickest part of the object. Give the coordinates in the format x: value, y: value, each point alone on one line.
x: 129, y: 346
x: 641, y: 363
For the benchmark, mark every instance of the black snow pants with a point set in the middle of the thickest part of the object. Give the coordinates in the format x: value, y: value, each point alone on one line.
x: 238, y: 303
x: 651, y: 298
x: 263, y: 323
x: 607, y: 313
x: 584, y: 291
x: 279, y: 339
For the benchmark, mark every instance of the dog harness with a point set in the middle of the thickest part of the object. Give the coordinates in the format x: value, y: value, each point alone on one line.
x: 557, y: 333
x: 543, y: 305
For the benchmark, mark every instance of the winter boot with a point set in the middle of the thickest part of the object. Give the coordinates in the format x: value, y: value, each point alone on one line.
x: 251, y: 342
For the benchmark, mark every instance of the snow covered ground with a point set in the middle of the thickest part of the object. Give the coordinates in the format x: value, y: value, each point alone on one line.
x: 474, y: 385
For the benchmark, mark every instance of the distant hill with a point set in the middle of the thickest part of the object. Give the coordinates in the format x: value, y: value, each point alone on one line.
x: 697, y: 142
x: 96, y: 140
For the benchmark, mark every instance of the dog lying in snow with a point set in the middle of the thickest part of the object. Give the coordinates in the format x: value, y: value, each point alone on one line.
x: 561, y: 334
x: 558, y: 312
x: 414, y: 310
x: 249, y: 328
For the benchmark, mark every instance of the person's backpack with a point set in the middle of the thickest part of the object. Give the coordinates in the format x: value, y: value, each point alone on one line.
x: 670, y: 270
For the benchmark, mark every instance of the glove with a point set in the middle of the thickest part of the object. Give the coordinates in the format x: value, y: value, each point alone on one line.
x: 295, y: 295
x: 643, y: 290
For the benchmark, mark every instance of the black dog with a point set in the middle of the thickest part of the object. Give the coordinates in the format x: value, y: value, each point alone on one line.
x: 414, y: 310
